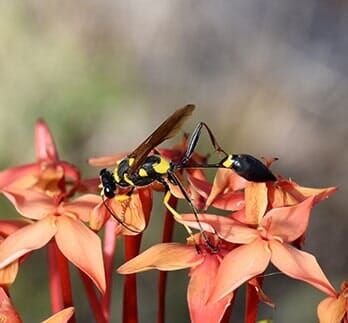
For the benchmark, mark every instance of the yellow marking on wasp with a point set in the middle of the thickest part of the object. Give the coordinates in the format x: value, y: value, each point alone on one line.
x: 175, y: 214
x: 162, y: 167
x: 130, y: 161
x: 122, y: 197
x: 228, y: 162
x: 128, y: 180
x: 116, y: 177
x: 143, y: 172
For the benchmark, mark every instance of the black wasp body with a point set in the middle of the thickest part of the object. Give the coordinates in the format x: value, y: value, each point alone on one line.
x: 154, y: 168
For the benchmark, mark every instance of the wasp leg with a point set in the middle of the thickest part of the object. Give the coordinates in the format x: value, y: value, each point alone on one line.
x: 177, y: 182
x: 196, y: 134
x: 175, y: 214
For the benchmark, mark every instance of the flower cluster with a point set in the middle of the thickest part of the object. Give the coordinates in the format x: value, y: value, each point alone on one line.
x: 263, y: 223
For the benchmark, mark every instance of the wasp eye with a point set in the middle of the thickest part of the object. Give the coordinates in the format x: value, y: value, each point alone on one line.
x: 109, y: 193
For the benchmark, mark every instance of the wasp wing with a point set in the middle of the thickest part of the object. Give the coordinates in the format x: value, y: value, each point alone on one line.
x: 165, y: 131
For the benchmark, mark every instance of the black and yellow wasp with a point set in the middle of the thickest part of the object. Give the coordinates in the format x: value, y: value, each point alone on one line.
x: 140, y: 168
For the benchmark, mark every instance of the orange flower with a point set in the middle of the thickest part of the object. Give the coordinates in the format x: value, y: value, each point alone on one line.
x: 269, y: 241
x: 287, y: 192
x: 334, y: 309
x: 62, y: 316
x: 48, y: 174
x: 52, y: 217
x: 8, y: 274
x: 204, y: 267
x: 133, y: 212
x: 8, y: 314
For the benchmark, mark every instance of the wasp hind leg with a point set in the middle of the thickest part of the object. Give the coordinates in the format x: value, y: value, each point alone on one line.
x: 174, y: 179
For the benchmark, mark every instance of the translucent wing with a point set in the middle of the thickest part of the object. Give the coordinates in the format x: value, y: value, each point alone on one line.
x: 165, y: 131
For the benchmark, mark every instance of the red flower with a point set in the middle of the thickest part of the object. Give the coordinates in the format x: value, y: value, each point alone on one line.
x: 60, y: 219
x: 7, y: 311
x: 204, y: 267
x: 334, y: 309
x: 269, y: 241
x: 48, y: 174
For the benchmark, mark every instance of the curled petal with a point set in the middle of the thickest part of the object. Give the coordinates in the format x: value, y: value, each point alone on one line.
x: 227, y: 228
x: 300, y: 265
x: 7, y: 311
x: 31, y: 204
x: 199, y: 289
x: 131, y: 213
x: 72, y: 175
x: 8, y: 274
x: 164, y: 256
x: 98, y: 217
x: 62, y: 316
x: 225, y: 180
x: 289, y: 223
x: 20, y: 176
x: 332, y: 310
x: 44, y: 142
x: 31, y: 237
x: 240, y: 265
x: 83, y: 206
x: 255, y: 202
x: 106, y: 161
x: 287, y: 192
x: 82, y: 247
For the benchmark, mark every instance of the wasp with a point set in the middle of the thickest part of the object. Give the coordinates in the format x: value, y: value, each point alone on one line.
x: 142, y: 168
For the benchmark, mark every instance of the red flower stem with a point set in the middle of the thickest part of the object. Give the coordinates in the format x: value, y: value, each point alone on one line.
x: 92, y: 298
x: 167, y: 235
x: 130, y: 303
x: 54, y: 279
x: 109, y: 253
x: 227, y: 316
x: 252, y: 302
x: 63, y: 267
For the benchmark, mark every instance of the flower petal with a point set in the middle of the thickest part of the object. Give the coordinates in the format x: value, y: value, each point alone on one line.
x: 62, y: 316
x: 130, y: 212
x: 44, y: 142
x: 7, y: 227
x: 240, y: 265
x: 163, y: 256
x: 20, y: 176
x: 7, y: 311
x: 227, y: 228
x: 8, y: 274
x: 82, y: 247
x: 200, y: 286
x: 31, y: 204
x: 230, y: 201
x: 300, y: 265
x: 201, y: 186
x: 287, y: 193
x: 289, y: 223
x: 225, y: 180
x: 83, y: 206
x: 31, y: 237
x: 98, y: 217
x: 331, y: 310
x: 255, y: 202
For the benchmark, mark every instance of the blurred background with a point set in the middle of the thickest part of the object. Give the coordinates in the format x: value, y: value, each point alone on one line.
x: 269, y: 77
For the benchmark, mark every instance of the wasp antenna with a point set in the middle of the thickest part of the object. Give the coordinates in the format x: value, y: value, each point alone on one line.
x: 117, y: 218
